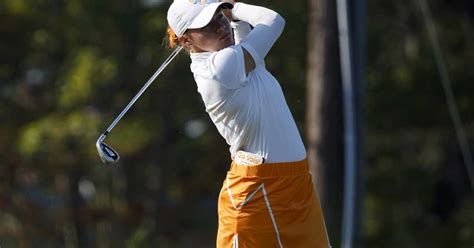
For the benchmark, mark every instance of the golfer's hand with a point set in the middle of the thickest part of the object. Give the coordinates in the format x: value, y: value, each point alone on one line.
x: 228, y: 12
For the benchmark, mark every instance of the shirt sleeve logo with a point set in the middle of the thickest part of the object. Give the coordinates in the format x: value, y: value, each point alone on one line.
x: 201, y: 2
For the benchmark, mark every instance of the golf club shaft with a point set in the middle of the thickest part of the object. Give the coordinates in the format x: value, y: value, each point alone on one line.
x: 124, y: 111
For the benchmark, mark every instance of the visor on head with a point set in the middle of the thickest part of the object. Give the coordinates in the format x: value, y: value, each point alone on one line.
x: 191, y: 14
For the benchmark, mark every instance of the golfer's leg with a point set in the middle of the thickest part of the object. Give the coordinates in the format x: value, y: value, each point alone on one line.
x: 227, y: 215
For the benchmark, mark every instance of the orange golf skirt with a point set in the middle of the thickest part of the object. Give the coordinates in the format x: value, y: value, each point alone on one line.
x: 270, y: 205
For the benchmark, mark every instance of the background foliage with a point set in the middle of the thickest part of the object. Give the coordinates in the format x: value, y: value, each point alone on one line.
x: 67, y: 68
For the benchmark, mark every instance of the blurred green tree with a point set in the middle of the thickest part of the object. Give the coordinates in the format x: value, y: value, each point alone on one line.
x: 67, y: 68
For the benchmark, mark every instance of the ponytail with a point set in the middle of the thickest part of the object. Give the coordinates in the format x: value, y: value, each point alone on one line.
x: 171, y: 37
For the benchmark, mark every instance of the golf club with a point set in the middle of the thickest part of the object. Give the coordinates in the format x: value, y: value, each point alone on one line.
x: 107, y: 154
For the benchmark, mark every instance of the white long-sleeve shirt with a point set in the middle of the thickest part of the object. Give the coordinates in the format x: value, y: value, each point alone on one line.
x: 249, y: 111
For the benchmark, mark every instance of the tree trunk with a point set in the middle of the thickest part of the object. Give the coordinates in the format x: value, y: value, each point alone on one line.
x: 357, y: 22
x: 324, y: 112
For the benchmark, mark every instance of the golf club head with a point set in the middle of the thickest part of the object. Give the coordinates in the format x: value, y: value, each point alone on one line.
x: 106, y: 153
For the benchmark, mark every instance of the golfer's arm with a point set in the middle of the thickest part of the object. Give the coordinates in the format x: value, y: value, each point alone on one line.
x: 241, y: 30
x: 268, y: 26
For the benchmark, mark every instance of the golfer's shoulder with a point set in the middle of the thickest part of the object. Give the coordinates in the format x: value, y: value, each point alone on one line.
x: 228, y: 63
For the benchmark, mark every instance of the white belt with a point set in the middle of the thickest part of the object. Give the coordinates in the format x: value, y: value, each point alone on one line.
x: 247, y: 158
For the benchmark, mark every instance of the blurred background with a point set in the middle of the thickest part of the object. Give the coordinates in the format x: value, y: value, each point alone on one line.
x: 68, y: 67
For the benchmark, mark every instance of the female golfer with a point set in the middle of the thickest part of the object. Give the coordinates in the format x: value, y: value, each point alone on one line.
x: 267, y: 199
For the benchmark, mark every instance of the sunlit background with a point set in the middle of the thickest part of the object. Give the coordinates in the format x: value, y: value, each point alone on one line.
x: 68, y: 67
